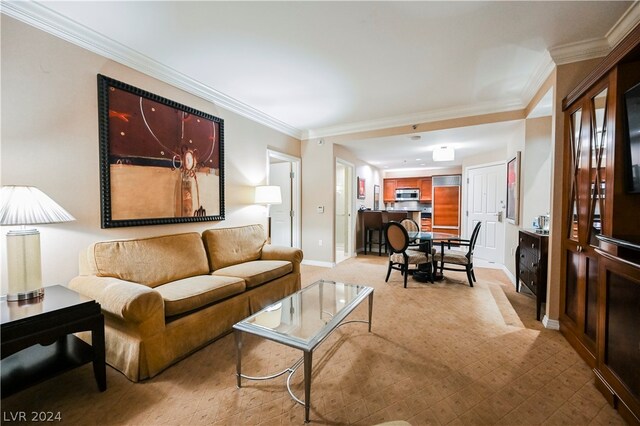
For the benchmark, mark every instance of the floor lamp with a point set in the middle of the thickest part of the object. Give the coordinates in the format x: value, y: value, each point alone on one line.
x: 268, y: 194
x: 26, y: 205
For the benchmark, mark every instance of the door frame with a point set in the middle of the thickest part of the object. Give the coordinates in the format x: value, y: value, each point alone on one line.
x: 296, y: 191
x: 351, y: 203
x: 465, y: 204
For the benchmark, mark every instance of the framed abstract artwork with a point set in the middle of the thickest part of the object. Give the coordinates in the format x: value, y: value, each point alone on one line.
x: 361, y: 188
x: 513, y: 189
x: 161, y: 162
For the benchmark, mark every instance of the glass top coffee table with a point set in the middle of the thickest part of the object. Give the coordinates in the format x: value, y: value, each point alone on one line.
x: 302, y: 321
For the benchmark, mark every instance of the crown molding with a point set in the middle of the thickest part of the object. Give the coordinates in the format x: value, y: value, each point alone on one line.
x: 598, y: 47
x: 538, y: 78
x: 625, y: 24
x: 39, y: 16
x: 580, y: 51
x: 417, y: 118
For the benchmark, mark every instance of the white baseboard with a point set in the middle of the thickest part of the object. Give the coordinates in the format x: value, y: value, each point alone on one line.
x: 508, y: 273
x: 318, y: 263
x: 550, y: 324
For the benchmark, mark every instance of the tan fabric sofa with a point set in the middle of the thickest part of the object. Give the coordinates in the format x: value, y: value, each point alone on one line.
x: 167, y: 296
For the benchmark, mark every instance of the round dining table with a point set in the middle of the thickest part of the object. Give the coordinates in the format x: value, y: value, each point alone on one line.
x: 423, y: 241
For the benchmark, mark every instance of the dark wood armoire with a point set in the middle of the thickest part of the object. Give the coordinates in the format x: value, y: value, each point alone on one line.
x: 600, y: 278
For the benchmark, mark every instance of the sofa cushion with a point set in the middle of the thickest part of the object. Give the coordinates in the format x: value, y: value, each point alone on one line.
x: 257, y: 272
x: 150, y: 261
x: 231, y: 246
x: 195, y: 292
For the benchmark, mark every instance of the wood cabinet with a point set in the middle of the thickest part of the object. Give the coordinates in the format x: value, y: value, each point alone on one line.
x: 531, y: 265
x: 425, y: 189
x: 446, y: 209
x: 389, y: 190
x: 618, y: 351
x: 599, y: 290
x: 407, y: 182
x: 390, y: 186
x: 425, y: 224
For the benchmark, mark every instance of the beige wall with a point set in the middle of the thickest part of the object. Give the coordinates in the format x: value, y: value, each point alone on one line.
x: 50, y: 140
x: 536, y: 170
x: 318, y: 181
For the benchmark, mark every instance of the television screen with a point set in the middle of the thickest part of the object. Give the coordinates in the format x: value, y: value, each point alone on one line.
x: 632, y: 102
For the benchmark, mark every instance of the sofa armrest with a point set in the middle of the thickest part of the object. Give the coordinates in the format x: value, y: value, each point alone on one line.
x: 292, y: 254
x: 127, y: 300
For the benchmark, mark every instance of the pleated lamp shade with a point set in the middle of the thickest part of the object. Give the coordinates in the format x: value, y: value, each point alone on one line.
x: 26, y: 205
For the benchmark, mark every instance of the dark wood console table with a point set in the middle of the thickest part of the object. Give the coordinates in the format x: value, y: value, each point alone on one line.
x: 37, y: 339
x: 531, y: 264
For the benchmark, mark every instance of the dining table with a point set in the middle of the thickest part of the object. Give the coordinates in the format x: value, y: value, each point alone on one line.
x: 423, y: 241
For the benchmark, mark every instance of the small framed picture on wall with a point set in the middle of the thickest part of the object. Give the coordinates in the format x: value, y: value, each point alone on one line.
x: 513, y: 189
x: 361, y: 191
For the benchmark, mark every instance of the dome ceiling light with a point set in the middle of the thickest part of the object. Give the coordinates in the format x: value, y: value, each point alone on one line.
x: 443, y: 153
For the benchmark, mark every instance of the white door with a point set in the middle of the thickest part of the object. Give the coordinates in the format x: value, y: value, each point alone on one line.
x: 281, y: 218
x: 485, y: 203
x: 343, y: 211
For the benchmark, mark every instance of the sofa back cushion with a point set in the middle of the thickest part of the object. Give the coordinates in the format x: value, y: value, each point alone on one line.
x: 150, y: 261
x: 230, y: 246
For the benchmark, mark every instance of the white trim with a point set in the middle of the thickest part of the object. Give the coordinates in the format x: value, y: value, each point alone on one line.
x: 598, y: 47
x: 625, y: 24
x: 550, y: 324
x: 351, y: 225
x: 509, y: 275
x: 319, y: 263
x: 45, y: 19
x: 417, y: 118
x: 296, y: 203
x: 541, y: 74
x: 580, y: 51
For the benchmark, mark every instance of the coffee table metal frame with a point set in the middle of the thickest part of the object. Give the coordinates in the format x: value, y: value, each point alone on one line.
x: 307, y: 346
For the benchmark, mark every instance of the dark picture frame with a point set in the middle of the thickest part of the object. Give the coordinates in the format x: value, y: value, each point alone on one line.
x: 376, y: 197
x: 161, y: 162
x: 361, y: 188
x: 513, y: 190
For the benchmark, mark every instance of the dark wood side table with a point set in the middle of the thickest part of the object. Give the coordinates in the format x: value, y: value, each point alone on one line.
x: 37, y: 339
x: 531, y: 264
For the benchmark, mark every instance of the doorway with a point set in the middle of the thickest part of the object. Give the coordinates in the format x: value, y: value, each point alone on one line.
x: 284, y: 171
x: 486, y: 204
x: 344, y: 210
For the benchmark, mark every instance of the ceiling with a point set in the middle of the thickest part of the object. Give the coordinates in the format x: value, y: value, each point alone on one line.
x: 316, y: 69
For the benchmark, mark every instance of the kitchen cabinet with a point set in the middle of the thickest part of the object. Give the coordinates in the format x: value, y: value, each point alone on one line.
x: 425, y: 224
x: 531, y: 265
x: 599, y: 288
x: 407, y: 183
x: 389, y: 190
x: 446, y: 209
x: 425, y: 189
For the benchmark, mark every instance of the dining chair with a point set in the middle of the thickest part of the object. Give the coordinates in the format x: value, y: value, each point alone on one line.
x: 412, y: 229
x: 462, y: 261
x: 400, y: 255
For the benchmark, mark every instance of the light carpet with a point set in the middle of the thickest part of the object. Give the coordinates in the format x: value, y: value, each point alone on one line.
x: 438, y: 354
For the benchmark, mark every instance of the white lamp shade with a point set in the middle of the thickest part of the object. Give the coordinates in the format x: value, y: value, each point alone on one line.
x: 443, y: 153
x: 268, y: 194
x: 27, y: 205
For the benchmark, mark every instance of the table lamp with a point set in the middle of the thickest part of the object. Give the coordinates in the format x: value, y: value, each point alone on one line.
x: 26, y: 205
x: 268, y: 194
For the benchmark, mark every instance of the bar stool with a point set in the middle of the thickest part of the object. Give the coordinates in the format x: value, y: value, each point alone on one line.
x: 372, y: 222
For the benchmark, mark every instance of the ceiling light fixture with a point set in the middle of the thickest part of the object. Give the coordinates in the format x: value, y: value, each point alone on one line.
x: 443, y: 153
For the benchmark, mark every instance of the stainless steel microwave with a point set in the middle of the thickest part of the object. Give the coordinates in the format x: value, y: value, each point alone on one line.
x: 411, y: 194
